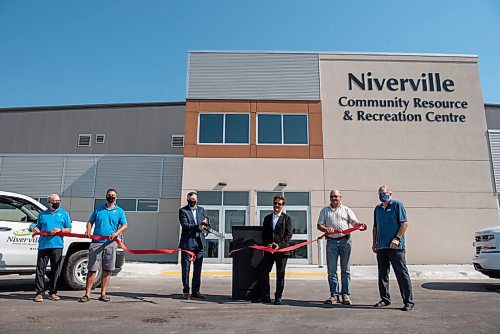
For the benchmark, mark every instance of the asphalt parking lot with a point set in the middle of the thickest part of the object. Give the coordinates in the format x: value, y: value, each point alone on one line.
x: 152, y: 305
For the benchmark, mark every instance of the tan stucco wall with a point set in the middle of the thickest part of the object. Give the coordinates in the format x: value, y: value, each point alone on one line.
x: 440, y: 171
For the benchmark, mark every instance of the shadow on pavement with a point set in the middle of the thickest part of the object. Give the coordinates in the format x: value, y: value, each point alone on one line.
x: 463, y: 286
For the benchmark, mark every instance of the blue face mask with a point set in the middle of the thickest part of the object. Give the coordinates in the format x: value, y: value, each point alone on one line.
x: 383, y: 197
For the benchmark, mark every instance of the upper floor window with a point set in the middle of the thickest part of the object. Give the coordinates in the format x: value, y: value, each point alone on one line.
x: 224, y: 129
x: 282, y: 129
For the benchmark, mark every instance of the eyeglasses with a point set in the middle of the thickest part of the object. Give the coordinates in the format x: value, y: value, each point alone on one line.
x: 277, y: 204
x: 335, y: 196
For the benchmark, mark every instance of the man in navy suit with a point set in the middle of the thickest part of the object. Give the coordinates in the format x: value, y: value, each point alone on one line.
x: 276, y: 233
x: 191, y: 218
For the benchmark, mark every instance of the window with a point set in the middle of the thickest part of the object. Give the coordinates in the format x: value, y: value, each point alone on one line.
x: 17, y: 210
x: 132, y: 204
x: 99, y: 139
x: 177, y: 141
x: 297, y: 207
x: 145, y: 205
x: 84, y: 139
x: 282, y: 129
x: 224, y: 129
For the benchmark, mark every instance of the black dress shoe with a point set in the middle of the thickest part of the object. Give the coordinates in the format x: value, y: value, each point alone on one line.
x: 382, y: 303
x: 408, y: 307
x: 277, y: 301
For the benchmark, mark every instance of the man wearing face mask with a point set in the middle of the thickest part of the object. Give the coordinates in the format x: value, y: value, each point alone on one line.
x: 109, y: 221
x: 389, y: 227
x: 192, y: 218
x: 50, y: 247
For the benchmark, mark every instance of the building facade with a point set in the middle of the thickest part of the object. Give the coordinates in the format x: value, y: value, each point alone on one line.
x: 303, y: 123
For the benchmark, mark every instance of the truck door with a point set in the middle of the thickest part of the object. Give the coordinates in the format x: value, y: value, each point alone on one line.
x: 17, y: 248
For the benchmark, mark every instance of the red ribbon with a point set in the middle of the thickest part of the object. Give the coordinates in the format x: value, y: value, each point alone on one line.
x: 192, y: 255
x: 299, y: 245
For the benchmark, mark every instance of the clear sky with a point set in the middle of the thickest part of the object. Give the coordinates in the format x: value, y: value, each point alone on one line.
x: 109, y: 51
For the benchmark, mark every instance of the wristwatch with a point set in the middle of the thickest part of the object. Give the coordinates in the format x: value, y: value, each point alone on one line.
x: 397, y: 238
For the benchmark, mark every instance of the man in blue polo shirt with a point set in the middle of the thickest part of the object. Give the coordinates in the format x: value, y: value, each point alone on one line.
x: 50, y: 247
x: 389, y: 227
x: 109, y: 221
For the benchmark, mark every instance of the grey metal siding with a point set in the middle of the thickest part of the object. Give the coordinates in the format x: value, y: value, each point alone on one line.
x: 494, y: 138
x: 253, y: 76
x: 84, y: 176
x: 171, y: 182
x: 128, y: 129
x: 36, y: 175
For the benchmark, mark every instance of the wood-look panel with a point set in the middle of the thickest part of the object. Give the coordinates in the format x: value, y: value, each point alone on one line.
x: 312, y: 108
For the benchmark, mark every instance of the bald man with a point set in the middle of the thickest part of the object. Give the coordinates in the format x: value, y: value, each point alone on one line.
x: 50, y: 247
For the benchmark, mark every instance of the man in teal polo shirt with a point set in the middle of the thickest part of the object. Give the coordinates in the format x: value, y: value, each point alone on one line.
x: 50, y: 247
x: 389, y: 227
x: 109, y: 221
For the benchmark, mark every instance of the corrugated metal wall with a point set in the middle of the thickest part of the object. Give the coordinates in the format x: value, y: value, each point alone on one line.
x: 494, y: 137
x: 254, y: 76
x: 91, y: 175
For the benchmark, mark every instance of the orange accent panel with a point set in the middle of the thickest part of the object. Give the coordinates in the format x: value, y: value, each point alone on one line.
x: 282, y: 151
x: 192, y: 106
x: 224, y: 106
x: 316, y: 152
x: 190, y: 151
x: 315, y: 129
x: 253, y: 107
x: 283, y: 107
x: 253, y: 128
x: 191, y: 128
x: 253, y: 151
x: 315, y: 107
x: 223, y: 151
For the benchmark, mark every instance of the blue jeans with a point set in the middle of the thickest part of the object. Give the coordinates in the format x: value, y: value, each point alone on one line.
x: 334, y: 250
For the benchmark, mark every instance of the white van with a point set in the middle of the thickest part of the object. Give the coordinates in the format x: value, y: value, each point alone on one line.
x: 18, y: 249
x: 487, y: 257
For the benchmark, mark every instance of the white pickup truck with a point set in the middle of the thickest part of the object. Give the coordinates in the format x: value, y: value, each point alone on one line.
x: 487, y: 257
x: 18, y: 249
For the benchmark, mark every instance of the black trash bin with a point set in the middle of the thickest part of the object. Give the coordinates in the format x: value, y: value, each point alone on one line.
x: 246, y: 262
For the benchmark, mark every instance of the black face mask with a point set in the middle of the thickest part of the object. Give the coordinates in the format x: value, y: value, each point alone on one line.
x: 110, y: 199
x: 192, y: 203
x: 55, y: 206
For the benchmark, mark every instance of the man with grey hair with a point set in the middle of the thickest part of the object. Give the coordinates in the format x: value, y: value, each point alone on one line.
x: 50, y: 247
x: 337, y: 216
x: 389, y: 227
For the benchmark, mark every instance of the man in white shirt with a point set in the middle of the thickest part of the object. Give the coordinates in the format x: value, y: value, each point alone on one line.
x: 337, y: 216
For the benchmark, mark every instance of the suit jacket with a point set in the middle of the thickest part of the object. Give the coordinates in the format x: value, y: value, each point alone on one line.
x: 191, y: 236
x: 281, y: 235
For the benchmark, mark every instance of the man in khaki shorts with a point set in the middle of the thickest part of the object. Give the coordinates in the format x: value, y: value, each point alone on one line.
x: 109, y: 221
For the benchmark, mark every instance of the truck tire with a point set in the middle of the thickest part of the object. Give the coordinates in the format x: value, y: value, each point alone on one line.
x: 75, y: 271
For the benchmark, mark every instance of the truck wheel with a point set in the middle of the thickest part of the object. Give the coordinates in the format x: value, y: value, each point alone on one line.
x: 75, y: 271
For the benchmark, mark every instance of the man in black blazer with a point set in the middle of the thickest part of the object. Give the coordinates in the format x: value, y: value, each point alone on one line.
x: 191, y: 218
x: 276, y: 233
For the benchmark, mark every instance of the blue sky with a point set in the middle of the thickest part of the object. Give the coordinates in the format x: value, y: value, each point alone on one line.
x: 110, y: 51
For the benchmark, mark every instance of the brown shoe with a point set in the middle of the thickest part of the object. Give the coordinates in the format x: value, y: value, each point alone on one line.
x: 54, y: 297
x: 332, y: 300
x: 198, y: 295
x: 346, y: 300
x: 185, y: 296
x: 38, y: 298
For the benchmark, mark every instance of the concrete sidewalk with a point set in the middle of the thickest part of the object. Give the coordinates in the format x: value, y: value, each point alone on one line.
x: 294, y: 271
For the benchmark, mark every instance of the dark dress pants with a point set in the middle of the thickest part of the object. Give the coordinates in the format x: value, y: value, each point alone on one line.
x: 396, y: 258
x: 54, y: 255
x: 267, y: 266
x: 186, y: 267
